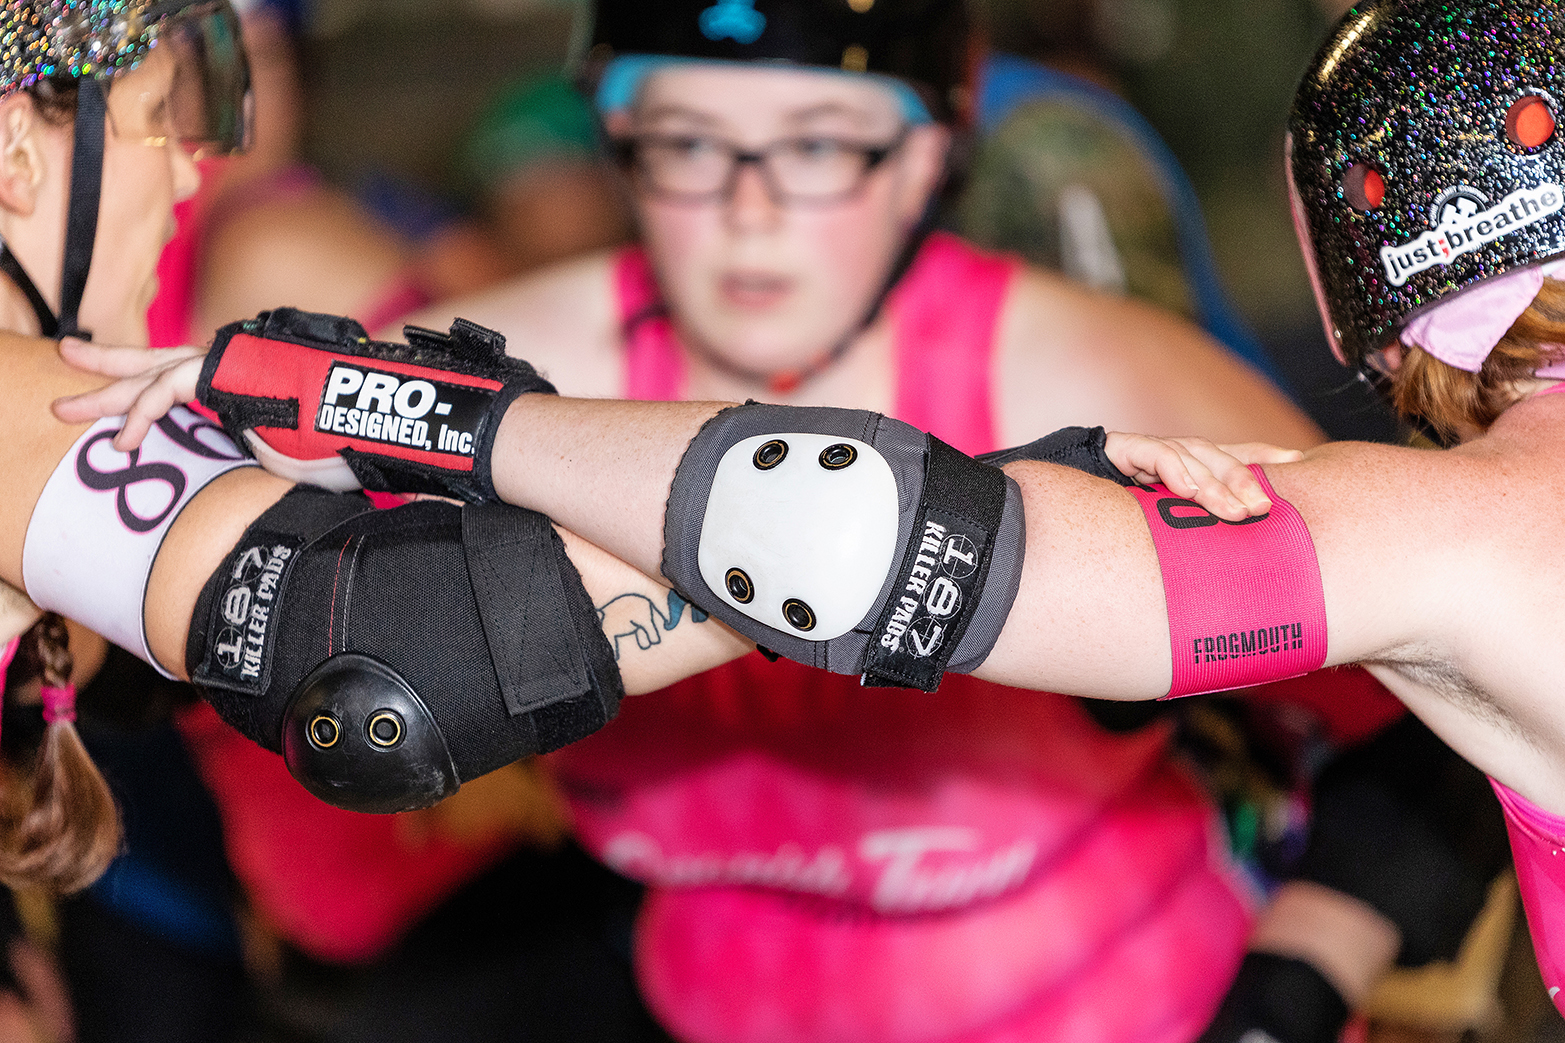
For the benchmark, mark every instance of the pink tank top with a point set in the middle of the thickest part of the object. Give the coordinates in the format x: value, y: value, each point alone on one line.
x: 1538, y: 848
x: 829, y: 861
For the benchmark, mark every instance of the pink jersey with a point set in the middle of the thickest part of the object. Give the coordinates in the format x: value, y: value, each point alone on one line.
x: 836, y: 862
x: 1538, y: 847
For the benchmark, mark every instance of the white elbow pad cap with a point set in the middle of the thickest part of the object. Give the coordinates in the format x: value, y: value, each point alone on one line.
x: 800, y: 531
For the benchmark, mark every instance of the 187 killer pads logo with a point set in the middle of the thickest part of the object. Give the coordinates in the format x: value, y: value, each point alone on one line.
x: 395, y: 409
x: 240, y: 637
x: 932, y: 591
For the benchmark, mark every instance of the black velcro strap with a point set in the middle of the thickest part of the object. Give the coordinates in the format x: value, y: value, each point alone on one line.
x: 518, y: 589
x: 1079, y: 448
x: 941, y: 575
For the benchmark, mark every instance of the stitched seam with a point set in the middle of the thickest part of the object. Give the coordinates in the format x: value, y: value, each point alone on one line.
x: 331, y: 615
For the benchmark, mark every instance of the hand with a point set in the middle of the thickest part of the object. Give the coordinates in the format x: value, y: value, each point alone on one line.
x: 1215, y: 476
x: 152, y: 381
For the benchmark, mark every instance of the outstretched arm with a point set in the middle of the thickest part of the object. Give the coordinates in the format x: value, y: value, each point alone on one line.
x: 1413, y: 578
x: 1421, y: 555
x: 389, y: 655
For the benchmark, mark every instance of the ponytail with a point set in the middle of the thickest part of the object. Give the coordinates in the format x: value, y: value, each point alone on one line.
x: 59, y: 828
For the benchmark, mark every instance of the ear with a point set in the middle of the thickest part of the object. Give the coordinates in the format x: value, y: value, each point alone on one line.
x: 923, y: 165
x: 21, y: 155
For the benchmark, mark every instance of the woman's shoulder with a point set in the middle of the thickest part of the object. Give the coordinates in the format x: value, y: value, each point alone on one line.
x: 1131, y: 365
x: 564, y: 319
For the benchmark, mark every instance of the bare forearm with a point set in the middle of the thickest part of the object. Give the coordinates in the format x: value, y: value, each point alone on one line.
x: 598, y: 467
x: 658, y: 637
x: 1089, y: 618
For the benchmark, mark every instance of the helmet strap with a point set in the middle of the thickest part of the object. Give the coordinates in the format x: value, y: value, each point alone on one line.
x: 48, y: 325
x: 81, y: 214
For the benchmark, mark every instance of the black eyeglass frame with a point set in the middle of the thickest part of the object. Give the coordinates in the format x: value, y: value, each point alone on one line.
x: 626, y: 151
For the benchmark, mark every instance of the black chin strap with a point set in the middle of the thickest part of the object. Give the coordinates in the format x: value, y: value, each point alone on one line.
x: 784, y: 381
x: 48, y: 325
x: 81, y: 221
x: 81, y: 215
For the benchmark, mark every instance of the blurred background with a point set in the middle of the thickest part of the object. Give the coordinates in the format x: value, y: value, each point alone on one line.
x: 393, y: 89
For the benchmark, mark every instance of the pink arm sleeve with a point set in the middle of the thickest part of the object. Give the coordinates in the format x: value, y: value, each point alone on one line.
x: 1245, y: 603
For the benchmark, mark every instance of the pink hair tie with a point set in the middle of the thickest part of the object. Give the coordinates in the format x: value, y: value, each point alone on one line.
x: 59, y: 704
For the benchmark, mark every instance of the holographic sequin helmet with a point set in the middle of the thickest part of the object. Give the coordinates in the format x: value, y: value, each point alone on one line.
x: 90, y: 42
x: 927, y: 44
x: 1423, y: 158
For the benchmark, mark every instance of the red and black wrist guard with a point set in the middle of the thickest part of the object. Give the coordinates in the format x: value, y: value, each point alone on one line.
x: 312, y: 396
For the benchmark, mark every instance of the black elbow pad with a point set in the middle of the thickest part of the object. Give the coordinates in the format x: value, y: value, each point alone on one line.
x: 392, y: 655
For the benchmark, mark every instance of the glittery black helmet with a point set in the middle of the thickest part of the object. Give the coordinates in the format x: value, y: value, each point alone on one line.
x: 87, y: 43
x: 925, y: 43
x: 1423, y: 158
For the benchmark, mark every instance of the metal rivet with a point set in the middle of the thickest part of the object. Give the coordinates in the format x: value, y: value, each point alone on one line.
x: 385, y: 729
x: 836, y: 457
x: 771, y: 454
x: 799, y: 615
x: 324, y: 731
x: 739, y: 586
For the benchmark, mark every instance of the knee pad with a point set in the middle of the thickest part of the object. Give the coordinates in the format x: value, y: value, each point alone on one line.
x: 392, y: 655
x: 845, y: 540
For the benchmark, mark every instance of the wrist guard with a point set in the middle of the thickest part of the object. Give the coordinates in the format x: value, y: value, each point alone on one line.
x: 846, y: 541
x: 392, y: 655
x: 317, y: 401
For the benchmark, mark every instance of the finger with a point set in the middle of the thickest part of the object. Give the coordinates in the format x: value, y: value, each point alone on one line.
x: 1216, y: 495
x: 1231, y: 472
x: 1152, y: 460
x: 150, y: 406
x: 118, y: 361
x: 113, y: 400
x: 1262, y: 453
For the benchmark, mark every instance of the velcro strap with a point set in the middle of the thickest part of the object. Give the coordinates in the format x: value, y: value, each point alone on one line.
x: 1245, y: 602
x: 522, y: 602
x: 1079, y: 448
x: 942, y: 573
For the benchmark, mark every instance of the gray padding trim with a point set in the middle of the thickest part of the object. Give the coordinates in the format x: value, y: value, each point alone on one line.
x: 1005, y: 579
x: 904, y: 448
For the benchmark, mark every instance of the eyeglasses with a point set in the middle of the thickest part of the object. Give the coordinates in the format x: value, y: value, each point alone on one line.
x: 694, y: 168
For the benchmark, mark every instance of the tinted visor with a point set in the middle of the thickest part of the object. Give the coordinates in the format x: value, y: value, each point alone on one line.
x: 197, y: 82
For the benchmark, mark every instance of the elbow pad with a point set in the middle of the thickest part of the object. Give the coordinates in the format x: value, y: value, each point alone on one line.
x: 392, y: 655
x: 845, y: 540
